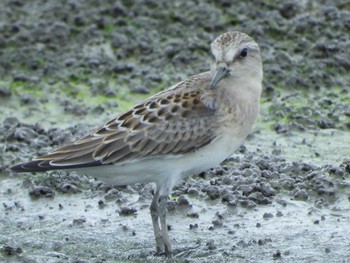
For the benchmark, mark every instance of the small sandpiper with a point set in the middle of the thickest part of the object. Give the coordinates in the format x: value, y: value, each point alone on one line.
x: 188, y: 128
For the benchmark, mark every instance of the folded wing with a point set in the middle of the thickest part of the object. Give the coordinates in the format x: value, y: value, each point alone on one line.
x: 169, y: 124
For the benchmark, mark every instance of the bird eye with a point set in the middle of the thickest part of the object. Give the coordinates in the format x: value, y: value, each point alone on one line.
x: 244, y: 52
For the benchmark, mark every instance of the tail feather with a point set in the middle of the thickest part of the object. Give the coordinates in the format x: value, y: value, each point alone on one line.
x: 45, y: 165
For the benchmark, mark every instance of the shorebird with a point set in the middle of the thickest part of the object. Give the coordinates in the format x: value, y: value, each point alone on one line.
x: 192, y: 126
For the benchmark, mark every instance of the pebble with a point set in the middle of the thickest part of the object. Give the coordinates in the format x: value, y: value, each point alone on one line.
x: 127, y: 211
x: 268, y: 215
x: 193, y: 226
x: 41, y: 191
x: 301, y: 195
x: 79, y: 221
x: 277, y: 255
x: 182, y: 200
x: 211, y: 245
x: 11, y: 251
x: 193, y: 214
x: 69, y: 188
x: 26, y: 134
x: 213, y: 192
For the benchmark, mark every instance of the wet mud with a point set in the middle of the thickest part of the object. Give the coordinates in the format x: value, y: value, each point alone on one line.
x: 284, y: 196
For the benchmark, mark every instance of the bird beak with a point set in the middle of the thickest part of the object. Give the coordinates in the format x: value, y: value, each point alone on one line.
x: 221, y: 73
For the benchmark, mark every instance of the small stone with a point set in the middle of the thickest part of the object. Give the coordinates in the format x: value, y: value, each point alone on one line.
x: 213, y: 192
x: 246, y: 189
x: 280, y: 129
x: 258, y: 198
x: 79, y: 20
x: 277, y: 255
x: 231, y: 232
x: 211, y: 245
x: 113, y: 195
x: 182, y: 200
x: 12, y: 148
x: 41, y: 191
x: 171, y: 205
x: 227, y: 197
x: 11, y: 251
x: 301, y: 195
x: 247, y: 203
x: 70, y: 62
x: 227, y: 180
x: 326, y: 124
x: 140, y: 90
x: 25, y: 134
x: 193, y: 226
x: 268, y: 215
x: 193, y: 191
x: 9, y: 122
x: 69, y: 188
x: 79, y: 221
x: 232, y: 203
x: 289, y: 9
x: 127, y: 211
x: 279, y: 214
x: 101, y: 204
x: 217, y: 222
x: 19, y: 77
x: 242, y: 149
x: 193, y: 214
x: 26, y: 99
x: 123, y: 68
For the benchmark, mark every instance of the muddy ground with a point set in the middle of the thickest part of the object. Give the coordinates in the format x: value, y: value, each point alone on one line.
x: 69, y: 66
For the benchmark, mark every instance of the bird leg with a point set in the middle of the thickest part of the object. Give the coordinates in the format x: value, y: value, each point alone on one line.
x: 155, y: 221
x: 163, y: 200
x: 158, y: 213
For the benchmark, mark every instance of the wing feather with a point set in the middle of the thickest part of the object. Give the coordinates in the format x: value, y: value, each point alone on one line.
x: 174, y: 122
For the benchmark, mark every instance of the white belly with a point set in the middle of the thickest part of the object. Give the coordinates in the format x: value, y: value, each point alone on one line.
x: 167, y: 170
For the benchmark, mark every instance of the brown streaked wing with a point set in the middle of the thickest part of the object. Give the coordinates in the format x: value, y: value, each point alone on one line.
x: 173, y: 122
x: 180, y: 134
x: 73, y: 150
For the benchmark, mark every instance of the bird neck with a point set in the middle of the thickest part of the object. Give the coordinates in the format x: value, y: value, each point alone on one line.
x: 241, y: 91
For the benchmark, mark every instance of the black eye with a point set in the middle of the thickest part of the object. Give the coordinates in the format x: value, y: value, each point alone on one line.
x: 244, y: 52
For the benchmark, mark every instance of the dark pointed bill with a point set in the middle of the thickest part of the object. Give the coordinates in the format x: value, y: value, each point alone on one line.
x: 221, y: 73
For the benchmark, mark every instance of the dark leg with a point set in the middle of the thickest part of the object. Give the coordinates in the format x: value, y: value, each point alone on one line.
x: 155, y: 221
x: 162, y: 216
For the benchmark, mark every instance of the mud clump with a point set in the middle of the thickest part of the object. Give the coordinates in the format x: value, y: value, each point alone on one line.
x: 127, y: 211
x: 41, y: 191
x: 11, y: 251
